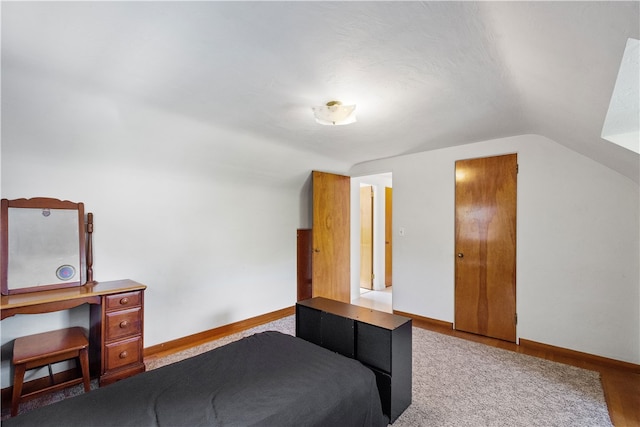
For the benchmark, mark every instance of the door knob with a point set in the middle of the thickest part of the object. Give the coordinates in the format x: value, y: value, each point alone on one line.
x: 460, y: 255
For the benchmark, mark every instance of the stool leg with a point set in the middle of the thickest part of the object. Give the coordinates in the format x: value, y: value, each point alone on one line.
x: 84, y: 364
x: 50, y: 374
x: 18, y: 379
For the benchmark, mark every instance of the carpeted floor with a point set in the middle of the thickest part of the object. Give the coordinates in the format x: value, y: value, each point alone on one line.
x: 462, y: 383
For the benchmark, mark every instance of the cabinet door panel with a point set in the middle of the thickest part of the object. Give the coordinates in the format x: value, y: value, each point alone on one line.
x: 374, y: 346
x: 308, y: 323
x: 338, y: 334
x: 383, y: 381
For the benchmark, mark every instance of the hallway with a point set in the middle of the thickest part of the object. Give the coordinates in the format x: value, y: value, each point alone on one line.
x: 377, y: 300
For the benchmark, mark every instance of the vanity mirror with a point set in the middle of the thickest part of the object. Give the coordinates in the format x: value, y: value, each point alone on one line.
x: 44, y: 245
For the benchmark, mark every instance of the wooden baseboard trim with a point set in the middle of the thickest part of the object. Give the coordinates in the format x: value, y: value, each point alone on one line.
x: 426, y: 321
x: 169, y: 347
x: 525, y: 346
x: 578, y: 355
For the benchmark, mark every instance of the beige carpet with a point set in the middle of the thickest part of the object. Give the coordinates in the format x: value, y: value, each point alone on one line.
x: 460, y: 383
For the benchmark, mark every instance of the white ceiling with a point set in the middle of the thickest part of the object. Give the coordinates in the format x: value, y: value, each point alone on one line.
x: 424, y: 75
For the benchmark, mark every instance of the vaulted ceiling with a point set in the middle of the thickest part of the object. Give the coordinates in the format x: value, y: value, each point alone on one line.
x: 424, y: 75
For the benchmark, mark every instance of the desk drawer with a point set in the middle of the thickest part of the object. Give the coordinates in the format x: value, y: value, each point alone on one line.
x: 124, y: 323
x: 123, y: 353
x: 124, y: 300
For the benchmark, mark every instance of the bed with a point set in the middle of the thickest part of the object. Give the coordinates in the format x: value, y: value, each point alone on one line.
x: 266, y: 379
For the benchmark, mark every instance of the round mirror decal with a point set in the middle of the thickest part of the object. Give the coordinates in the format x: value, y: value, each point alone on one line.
x: 65, y: 272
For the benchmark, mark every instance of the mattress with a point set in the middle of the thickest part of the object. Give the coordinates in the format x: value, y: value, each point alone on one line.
x: 267, y: 379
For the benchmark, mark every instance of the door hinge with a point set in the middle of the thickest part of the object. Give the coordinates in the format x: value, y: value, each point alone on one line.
x: 517, y: 168
x: 516, y: 318
x: 373, y: 276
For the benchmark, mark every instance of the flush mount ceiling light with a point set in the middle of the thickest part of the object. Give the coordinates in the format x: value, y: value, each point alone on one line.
x: 334, y: 113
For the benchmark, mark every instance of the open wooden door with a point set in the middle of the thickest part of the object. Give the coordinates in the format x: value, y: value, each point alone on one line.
x: 366, y: 237
x: 388, y: 236
x: 331, y: 236
x: 485, y: 268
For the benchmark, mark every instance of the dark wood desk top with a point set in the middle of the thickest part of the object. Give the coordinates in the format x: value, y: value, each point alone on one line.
x: 62, y: 299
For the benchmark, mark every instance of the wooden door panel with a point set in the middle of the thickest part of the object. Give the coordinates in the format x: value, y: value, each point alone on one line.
x: 366, y: 237
x: 304, y: 267
x: 388, y: 239
x: 486, y: 246
x: 331, y: 236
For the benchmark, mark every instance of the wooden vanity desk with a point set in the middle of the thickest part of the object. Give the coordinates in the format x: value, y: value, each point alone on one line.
x: 116, y: 329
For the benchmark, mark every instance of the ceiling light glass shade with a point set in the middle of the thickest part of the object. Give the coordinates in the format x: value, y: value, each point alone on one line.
x: 334, y: 113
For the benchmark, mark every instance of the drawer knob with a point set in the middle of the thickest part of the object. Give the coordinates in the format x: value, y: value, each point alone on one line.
x: 124, y: 301
x: 124, y: 324
x: 123, y: 355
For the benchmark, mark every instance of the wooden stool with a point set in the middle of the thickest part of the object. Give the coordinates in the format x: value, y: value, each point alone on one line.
x: 38, y: 350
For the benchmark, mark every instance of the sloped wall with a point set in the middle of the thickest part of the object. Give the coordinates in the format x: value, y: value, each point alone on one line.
x: 205, y: 217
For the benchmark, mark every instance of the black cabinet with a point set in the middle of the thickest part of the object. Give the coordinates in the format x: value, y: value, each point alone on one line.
x: 381, y: 341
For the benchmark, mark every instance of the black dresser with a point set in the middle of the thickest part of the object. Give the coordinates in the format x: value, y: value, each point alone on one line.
x: 381, y: 341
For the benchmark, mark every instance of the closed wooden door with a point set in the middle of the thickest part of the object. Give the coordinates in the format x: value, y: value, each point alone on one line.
x: 331, y: 236
x: 485, y: 230
x: 388, y: 236
x: 366, y: 237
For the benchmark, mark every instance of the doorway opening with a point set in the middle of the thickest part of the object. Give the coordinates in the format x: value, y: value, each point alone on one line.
x: 371, y: 231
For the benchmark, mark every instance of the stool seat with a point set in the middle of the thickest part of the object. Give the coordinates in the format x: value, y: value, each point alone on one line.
x: 43, y: 349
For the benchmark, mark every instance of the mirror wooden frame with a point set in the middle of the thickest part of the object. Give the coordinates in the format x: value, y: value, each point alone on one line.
x: 84, y: 242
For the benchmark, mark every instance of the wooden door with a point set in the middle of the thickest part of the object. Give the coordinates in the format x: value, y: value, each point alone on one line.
x: 331, y: 236
x: 485, y: 227
x: 366, y: 237
x: 388, y: 236
x: 304, y: 267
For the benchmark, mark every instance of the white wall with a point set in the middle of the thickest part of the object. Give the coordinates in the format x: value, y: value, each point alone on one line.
x: 212, y: 236
x: 578, y: 285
